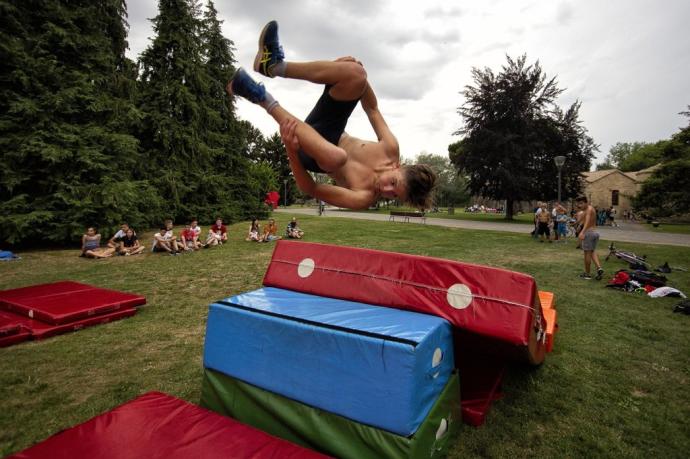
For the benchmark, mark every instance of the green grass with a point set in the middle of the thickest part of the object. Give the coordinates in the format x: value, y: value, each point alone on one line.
x: 678, y: 228
x: 459, y: 214
x: 615, y: 385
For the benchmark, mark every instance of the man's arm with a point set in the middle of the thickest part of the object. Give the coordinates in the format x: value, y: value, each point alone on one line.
x: 383, y: 132
x: 335, y: 195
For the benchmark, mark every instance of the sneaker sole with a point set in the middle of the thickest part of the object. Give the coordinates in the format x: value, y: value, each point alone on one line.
x: 259, y: 54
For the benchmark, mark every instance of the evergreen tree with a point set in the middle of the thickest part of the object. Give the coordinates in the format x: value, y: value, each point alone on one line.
x: 226, y: 136
x: 65, y: 111
x: 189, y: 131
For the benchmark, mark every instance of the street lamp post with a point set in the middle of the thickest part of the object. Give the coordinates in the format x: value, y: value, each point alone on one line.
x: 285, y: 195
x: 559, y: 160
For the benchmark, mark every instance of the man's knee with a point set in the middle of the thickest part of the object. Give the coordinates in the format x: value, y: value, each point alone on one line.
x: 354, y: 79
x: 335, y: 159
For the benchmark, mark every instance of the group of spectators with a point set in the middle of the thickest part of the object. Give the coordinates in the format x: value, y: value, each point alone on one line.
x: 606, y: 216
x: 189, y: 238
x: 556, y: 220
x: 125, y: 242
x: 270, y: 231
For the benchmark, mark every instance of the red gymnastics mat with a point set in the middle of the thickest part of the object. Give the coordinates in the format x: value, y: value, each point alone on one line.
x: 41, y: 330
x: 65, y: 302
x: 156, y: 425
x: 11, y: 330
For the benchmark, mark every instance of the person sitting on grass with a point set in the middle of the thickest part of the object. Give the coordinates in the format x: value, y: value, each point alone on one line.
x: 270, y: 231
x: 91, y: 245
x: 130, y: 244
x: 254, y: 233
x: 293, y: 230
x: 189, y: 238
x: 219, y: 228
x: 164, y: 241
x: 196, y: 228
x: 115, y: 241
x: 214, y: 237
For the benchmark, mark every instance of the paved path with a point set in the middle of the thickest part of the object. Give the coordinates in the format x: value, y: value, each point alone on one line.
x: 627, y: 232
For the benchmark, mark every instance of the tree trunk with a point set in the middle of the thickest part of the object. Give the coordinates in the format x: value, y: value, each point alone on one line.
x: 509, y: 209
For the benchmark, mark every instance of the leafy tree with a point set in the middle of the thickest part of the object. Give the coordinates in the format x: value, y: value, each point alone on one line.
x: 512, y: 132
x: 633, y: 156
x: 667, y: 192
x: 451, y: 186
x: 66, y: 108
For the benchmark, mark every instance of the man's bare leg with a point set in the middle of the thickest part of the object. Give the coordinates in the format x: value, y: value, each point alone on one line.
x: 348, y: 78
x: 588, y: 261
x: 329, y: 157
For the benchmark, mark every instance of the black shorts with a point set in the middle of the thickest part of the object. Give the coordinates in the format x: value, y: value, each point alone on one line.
x: 329, y: 118
x: 543, y: 228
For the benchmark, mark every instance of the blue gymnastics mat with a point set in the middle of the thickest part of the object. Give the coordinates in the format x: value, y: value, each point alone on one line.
x: 378, y: 366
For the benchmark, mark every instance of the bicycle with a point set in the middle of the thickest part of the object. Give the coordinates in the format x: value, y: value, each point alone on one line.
x: 628, y: 257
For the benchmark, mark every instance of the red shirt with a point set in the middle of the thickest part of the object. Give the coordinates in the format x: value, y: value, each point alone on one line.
x: 188, y: 234
x: 215, y: 228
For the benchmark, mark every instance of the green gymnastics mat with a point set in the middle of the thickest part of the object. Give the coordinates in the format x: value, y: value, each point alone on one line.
x: 327, y: 432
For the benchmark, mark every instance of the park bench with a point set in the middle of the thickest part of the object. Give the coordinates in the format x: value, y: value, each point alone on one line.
x: 406, y: 216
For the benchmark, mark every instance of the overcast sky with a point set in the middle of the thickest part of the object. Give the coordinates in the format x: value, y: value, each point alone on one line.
x: 627, y: 61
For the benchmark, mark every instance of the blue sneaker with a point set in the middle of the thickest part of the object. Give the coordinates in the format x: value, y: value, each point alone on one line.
x: 270, y: 52
x: 243, y: 85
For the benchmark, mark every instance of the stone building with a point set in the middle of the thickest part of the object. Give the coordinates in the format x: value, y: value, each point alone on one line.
x: 612, y: 187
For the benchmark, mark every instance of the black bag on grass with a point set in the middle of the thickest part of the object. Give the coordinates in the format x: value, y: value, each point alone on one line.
x: 683, y: 307
x: 648, y: 278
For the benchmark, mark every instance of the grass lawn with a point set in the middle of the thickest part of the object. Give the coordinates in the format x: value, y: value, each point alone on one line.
x: 670, y: 228
x: 615, y: 385
x: 459, y: 214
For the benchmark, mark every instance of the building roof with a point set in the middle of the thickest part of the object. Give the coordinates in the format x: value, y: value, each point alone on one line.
x: 593, y: 176
x: 637, y: 176
x: 642, y: 175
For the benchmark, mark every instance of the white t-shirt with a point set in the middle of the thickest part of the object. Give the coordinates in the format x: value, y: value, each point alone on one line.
x: 119, y: 235
x: 197, y: 230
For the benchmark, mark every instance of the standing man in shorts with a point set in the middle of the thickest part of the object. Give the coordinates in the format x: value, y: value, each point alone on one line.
x: 589, y: 238
x: 364, y: 171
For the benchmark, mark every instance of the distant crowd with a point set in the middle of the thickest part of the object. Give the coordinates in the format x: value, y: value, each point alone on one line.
x: 126, y: 243
x: 557, y: 223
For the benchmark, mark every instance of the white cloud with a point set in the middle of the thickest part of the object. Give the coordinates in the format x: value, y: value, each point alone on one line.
x: 627, y: 61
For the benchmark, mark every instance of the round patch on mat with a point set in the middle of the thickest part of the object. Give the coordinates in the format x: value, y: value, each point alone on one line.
x: 442, y: 428
x: 459, y: 296
x: 436, y: 359
x: 305, y: 268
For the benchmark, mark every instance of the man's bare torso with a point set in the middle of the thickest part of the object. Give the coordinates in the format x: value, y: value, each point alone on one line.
x: 590, y: 218
x: 365, y: 160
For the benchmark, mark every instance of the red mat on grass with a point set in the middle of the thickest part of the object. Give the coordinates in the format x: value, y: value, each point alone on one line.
x: 40, y: 330
x: 498, y: 304
x: 65, y: 302
x: 34, y: 291
x: 156, y: 425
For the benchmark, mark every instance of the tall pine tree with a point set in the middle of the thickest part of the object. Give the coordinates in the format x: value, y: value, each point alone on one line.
x: 189, y: 131
x: 65, y: 111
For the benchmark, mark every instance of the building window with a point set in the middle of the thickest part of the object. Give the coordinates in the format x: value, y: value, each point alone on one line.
x: 614, y: 197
